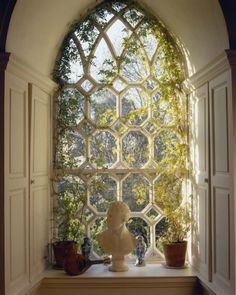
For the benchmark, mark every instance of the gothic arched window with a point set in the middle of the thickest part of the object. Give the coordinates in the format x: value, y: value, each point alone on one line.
x: 120, y: 119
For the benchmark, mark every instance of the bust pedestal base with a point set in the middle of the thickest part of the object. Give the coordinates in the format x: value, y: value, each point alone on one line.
x: 118, y: 266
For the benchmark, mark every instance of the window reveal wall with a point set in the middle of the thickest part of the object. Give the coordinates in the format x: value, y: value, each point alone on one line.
x: 212, y: 251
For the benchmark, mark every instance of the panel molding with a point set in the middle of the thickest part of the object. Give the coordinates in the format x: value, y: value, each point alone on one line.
x: 19, y: 68
x: 40, y: 130
x: 15, y: 109
x: 219, y: 109
x: 16, y: 185
x: 221, y: 241
x: 201, y: 202
x: 222, y: 182
x: 213, y: 69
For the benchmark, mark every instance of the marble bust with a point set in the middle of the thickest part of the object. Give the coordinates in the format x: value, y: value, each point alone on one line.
x: 117, y: 241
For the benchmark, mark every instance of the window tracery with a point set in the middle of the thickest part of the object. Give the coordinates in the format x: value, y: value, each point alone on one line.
x: 120, y: 116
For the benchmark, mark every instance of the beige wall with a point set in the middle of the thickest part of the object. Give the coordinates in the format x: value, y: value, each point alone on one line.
x: 37, y: 28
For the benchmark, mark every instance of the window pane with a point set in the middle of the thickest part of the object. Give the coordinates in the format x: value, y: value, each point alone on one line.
x: 134, y: 106
x: 135, y: 149
x: 103, y: 191
x: 135, y: 192
x: 103, y: 149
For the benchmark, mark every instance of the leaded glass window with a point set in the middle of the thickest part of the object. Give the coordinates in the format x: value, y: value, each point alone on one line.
x: 119, y: 73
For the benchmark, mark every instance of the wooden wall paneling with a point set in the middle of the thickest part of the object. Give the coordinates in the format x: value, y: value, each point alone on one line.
x: 39, y: 179
x: 201, y: 242
x: 221, y: 181
x: 16, y: 185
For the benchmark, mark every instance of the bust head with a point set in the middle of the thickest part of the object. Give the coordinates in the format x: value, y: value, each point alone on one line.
x: 117, y: 215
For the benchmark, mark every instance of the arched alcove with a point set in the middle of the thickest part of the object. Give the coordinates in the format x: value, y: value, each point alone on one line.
x: 36, y: 31
x: 35, y: 35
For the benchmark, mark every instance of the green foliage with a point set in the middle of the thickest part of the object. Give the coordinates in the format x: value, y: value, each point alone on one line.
x: 167, y: 105
x: 70, y: 203
x: 169, y: 197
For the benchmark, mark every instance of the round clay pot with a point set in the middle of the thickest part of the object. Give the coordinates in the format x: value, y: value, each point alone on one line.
x: 175, y: 254
x: 62, y: 249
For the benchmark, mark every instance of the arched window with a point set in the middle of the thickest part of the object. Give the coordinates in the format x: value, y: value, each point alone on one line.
x: 120, y: 127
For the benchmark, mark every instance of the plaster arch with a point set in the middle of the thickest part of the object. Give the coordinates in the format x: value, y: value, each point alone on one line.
x: 36, y: 31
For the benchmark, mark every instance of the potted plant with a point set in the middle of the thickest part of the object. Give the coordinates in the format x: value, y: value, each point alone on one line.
x: 68, y: 211
x: 177, y: 214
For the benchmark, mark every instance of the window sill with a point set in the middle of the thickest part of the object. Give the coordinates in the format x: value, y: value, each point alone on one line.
x: 148, y: 271
x: 99, y: 280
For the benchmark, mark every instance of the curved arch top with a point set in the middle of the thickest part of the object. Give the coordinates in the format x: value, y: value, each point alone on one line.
x: 36, y: 31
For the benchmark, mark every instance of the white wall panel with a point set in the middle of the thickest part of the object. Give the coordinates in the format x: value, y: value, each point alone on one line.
x: 16, y: 185
x: 221, y: 243
x: 39, y: 179
x: 17, y: 129
x: 18, y: 235
x: 221, y: 181
x: 220, y: 145
x: 200, y: 245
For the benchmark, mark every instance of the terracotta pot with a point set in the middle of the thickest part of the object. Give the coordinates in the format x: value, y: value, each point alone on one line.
x: 62, y: 249
x: 175, y: 254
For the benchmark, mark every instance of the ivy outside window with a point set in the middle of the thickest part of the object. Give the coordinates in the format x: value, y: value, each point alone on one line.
x: 120, y: 123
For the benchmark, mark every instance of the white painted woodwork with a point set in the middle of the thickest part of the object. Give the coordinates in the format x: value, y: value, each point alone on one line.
x: 221, y: 181
x: 152, y: 279
x: 16, y: 184
x: 39, y: 179
x: 200, y: 246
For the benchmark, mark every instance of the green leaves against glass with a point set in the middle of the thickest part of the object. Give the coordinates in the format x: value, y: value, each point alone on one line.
x: 71, y: 199
x: 132, y: 111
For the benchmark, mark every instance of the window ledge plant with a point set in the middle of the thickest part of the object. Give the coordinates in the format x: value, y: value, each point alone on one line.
x: 68, y: 213
x: 177, y: 214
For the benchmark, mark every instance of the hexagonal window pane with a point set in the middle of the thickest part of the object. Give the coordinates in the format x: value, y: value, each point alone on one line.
x: 97, y: 226
x: 86, y: 127
x: 103, y: 149
x: 160, y: 229
x: 102, y: 192
x: 117, y: 33
x: 103, y: 67
x: 134, y: 67
x: 70, y: 68
x: 133, y: 16
x: 135, y: 149
x: 103, y: 107
x: 137, y: 226
x: 152, y: 214
x: 165, y: 146
x: 71, y: 152
x: 135, y: 192
x: 70, y: 108
x: 134, y: 106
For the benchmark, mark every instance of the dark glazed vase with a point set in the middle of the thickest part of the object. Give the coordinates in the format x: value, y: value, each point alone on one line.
x: 175, y: 254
